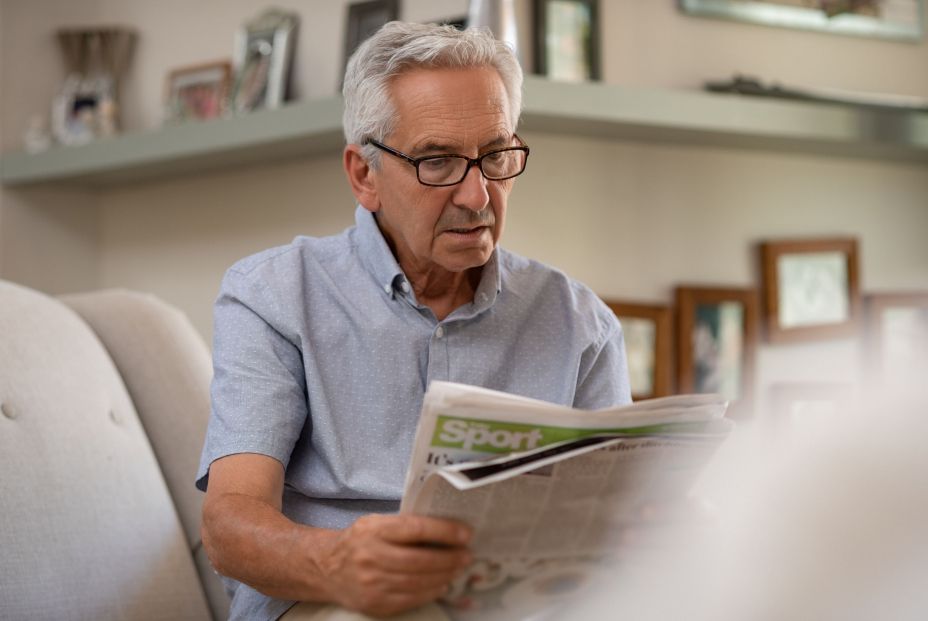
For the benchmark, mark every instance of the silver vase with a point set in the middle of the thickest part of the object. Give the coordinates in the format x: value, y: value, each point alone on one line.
x: 500, y: 17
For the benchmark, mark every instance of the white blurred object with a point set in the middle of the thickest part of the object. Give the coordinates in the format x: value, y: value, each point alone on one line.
x: 500, y: 17
x: 36, y: 137
x: 831, y: 528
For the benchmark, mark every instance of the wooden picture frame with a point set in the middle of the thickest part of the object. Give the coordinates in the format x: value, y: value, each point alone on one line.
x: 364, y: 19
x: 197, y: 92
x: 716, y: 343
x: 902, y: 22
x: 810, y: 289
x: 648, y: 332
x: 567, y: 39
x: 896, y: 329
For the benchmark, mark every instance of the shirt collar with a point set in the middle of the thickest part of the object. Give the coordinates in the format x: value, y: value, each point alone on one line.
x: 379, y: 261
x: 376, y: 255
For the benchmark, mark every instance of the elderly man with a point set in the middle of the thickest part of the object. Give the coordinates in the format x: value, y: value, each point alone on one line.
x: 324, y: 347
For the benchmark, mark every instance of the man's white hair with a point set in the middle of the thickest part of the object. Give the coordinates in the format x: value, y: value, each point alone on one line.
x: 398, y: 47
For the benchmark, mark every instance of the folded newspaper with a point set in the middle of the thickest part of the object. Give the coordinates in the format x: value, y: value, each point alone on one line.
x: 551, y: 491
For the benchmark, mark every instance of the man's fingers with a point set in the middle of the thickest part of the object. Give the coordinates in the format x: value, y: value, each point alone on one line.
x: 415, y: 583
x: 412, y: 559
x: 393, y: 603
x: 418, y: 529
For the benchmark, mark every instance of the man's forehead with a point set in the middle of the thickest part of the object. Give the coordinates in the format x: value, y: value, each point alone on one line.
x: 443, y: 104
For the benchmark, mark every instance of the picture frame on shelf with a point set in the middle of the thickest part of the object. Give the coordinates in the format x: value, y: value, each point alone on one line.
x: 364, y: 19
x: 716, y: 343
x: 648, y: 333
x: 567, y: 43
x: 197, y: 92
x: 810, y: 289
x: 897, y: 19
x: 263, y: 60
x: 896, y: 329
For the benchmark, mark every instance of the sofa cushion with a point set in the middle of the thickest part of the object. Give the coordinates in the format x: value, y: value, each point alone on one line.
x: 88, y: 529
x: 166, y: 367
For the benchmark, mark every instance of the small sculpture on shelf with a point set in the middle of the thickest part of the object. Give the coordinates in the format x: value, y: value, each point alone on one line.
x: 87, y: 105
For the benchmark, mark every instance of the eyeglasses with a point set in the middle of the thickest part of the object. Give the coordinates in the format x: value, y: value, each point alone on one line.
x: 447, y: 169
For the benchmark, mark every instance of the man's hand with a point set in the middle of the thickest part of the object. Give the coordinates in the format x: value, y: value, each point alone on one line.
x: 385, y: 564
x: 381, y: 565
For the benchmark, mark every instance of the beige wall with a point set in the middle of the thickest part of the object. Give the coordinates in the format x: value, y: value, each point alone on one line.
x: 49, y: 238
x: 631, y: 220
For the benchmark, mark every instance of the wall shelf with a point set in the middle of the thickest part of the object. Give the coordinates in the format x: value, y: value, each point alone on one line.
x: 593, y: 110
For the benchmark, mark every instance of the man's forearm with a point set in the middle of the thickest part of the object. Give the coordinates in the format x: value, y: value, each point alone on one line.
x: 252, y: 542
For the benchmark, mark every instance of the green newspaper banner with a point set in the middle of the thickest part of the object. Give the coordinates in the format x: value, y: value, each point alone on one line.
x: 503, y: 437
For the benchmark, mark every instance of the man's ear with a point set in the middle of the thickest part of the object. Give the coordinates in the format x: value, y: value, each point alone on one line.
x: 360, y: 178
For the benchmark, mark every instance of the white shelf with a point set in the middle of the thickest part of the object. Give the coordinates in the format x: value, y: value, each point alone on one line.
x: 593, y: 110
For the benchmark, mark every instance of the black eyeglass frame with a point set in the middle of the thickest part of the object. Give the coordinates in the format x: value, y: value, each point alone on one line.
x: 471, y: 161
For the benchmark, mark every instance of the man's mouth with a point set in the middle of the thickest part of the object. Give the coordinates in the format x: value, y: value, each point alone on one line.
x: 470, y: 230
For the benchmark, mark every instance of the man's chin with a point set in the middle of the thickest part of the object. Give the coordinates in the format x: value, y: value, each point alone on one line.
x: 461, y: 261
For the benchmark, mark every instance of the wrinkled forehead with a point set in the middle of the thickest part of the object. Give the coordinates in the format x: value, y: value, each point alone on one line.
x: 463, y: 106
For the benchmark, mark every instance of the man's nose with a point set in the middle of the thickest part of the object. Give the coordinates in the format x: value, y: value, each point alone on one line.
x: 472, y: 192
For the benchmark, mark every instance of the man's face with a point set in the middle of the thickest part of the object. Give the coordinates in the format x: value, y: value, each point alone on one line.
x: 444, y: 111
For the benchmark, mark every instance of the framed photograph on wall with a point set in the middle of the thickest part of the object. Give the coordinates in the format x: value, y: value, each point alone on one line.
x: 364, y: 19
x: 648, y: 345
x: 891, y: 19
x: 716, y: 343
x: 263, y: 60
x: 897, y: 338
x: 810, y: 288
x: 197, y: 92
x: 567, y: 39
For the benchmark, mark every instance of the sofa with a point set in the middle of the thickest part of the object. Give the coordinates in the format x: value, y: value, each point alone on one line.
x: 104, y: 401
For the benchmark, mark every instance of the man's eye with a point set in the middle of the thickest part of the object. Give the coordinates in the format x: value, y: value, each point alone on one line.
x: 436, y: 163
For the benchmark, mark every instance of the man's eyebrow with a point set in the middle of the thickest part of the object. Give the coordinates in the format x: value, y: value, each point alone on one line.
x: 447, y: 148
x: 499, y: 141
x: 436, y: 147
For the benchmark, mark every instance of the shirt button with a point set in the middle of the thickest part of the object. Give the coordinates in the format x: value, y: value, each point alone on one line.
x: 404, y: 286
x: 439, y: 332
x: 387, y: 288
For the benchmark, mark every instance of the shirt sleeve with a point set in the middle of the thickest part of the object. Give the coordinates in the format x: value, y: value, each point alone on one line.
x: 603, y: 380
x: 258, y: 391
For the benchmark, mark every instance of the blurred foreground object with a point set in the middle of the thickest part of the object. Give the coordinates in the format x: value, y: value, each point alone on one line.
x: 831, y: 527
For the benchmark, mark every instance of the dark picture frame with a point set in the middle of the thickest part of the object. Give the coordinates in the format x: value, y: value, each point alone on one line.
x: 263, y: 61
x: 716, y: 343
x: 648, y: 333
x: 197, y: 92
x: 364, y: 19
x: 904, y: 22
x: 567, y: 40
x: 811, y: 289
x: 896, y: 338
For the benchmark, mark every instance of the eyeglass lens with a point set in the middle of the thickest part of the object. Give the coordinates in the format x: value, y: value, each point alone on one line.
x: 448, y: 170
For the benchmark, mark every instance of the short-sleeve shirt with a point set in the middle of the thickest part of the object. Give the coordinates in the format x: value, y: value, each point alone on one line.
x: 322, y: 356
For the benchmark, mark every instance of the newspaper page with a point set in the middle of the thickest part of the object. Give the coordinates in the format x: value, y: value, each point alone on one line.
x: 549, y: 490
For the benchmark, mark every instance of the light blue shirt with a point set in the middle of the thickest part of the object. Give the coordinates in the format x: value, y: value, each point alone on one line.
x: 322, y: 355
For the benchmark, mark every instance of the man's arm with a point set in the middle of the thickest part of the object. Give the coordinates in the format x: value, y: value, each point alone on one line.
x: 381, y: 565
x: 603, y: 380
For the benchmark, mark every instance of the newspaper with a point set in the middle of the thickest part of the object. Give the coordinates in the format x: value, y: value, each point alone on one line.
x: 549, y: 490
